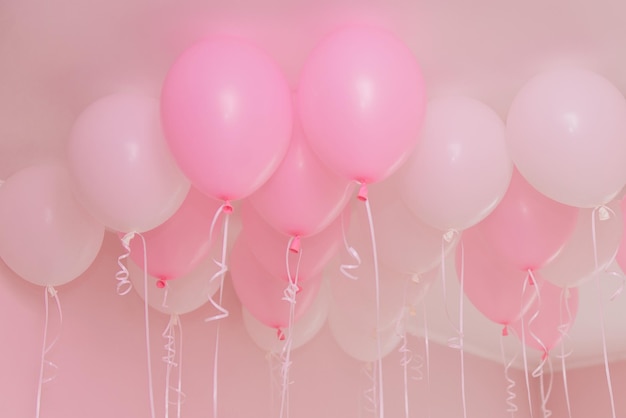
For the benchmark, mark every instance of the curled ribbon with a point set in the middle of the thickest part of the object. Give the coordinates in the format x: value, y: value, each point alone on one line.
x: 563, y: 331
x: 346, y: 268
x: 510, y: 388
x: 123, y: 283
x: 170, y: 360
x: 369, y: 394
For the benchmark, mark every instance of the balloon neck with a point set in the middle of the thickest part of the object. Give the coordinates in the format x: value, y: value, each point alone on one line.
x: 505, y: 331
x: 544, y: 356
x: 161, y: 284
x: 294, y: 245
x: 227, y: 207
x: 362, y: 195
x: 280, y: 334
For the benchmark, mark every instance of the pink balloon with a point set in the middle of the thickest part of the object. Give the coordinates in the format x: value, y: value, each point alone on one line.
x: 188, y: 293
x: 527, y: 228
x: 494, y: 288
x: 621, y: 252
x: 226, y: 110
x: 121, y: 166
x: 46, y: 236
x: 302, y: 197
x: 270, y: 246
x: 175, y: 247
x: 361, y: 99
x: 460, y: 169
x: 565, y: 132
x: 554, y: 317
x: 576, y: 263
x: 262, y: 294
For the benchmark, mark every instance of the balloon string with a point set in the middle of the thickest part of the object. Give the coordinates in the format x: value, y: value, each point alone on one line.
x: 226, y: 209
x: 563, y: 330
x: 124, y: 284
x: 510, y: 389
x: 368, y: 207
x: 533, y: 282
x: 427, y: 352
x: 49, y: 291
x: 447, y: 238
x: 603, y: 214
x: 461, y: 336
x: 166, y: 292
x: 170, y: 358
x: 274, y: 370
x: 405, y: 359
x: 545, y: 394
x: 289, y: 295
x: 347, y: 267
x: 147, y: 323
x: 524, y: 354
x: 369, y: 395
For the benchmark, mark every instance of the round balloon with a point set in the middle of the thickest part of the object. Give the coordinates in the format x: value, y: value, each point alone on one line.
x: 226, y: 110
x: 528, y: 229
x: 361, y: 98
x: 46, y: 236
x: 565, y: 132
x: 460, y: 169
x: 177, y: 246
x: 181, y: 296
x: 122, y: 169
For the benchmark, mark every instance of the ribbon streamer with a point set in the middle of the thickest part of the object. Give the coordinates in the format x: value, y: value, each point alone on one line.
x: 510, y: 388
x: 563, y: 330
x: 49, y: 291
x: 173, y: 359
x: 226, y: 209
x: 124, y: 285
x: 604, y: 213
x: 289, y: 296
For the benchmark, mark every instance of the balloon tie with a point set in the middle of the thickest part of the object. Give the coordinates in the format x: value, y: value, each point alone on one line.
x: 226, y: 209
x: 49, y: 292
x: 124, y: 285
x: 510, y: 388
x: 170, y: 360
x: 505, y: 331
x: 289, y: 295
x: 146, y: 311
x: 377, y: 285
x: 346, y: 268
x: 162, y: 284
x: 603, y: 214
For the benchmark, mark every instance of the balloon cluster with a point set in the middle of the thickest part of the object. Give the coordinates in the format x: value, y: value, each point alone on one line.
x: 522, y: 197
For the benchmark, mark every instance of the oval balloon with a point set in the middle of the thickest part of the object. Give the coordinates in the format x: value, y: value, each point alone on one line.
x: 120, y: 164
x: 460, y: 169
x: 565, y: 132
x: 528, y: 229
x: 361, y: 99
x: 226, y: 110
x: 46, y: 236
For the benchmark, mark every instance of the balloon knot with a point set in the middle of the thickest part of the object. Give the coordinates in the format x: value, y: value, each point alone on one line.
x: 227, y: 207
x: 298, y: 289
x: 505, y: 331
x: 362, y: 195
x: 294, y: 245
x: 544, y: 356
x: 448, y: 236
x: 603, y: 213
x: 280, y: 334
x: 160, y: 284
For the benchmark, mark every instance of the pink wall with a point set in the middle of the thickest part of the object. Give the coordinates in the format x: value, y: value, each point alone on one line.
x: 102, y: 373
x: 588, y: 392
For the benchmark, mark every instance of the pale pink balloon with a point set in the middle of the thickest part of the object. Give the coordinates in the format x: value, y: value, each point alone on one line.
x: 184, y: 295
x: 358, y: 339
x: 565, y: 132
x: 576, y: 263
x: 122, y: 169
x: 528, y: 229
x: 262, y: 294
x: 621, y: 252
x: 492, y: 286
x: 361, y: 98
x: 46, y: 236
x: 555, y: 314
x: 175, y: 247
x: 226, y: 110
x: 270, y: 246
x: 460, y: 169
x: 405, y: 243
x: 302, y: 197
x: 303, y: 331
